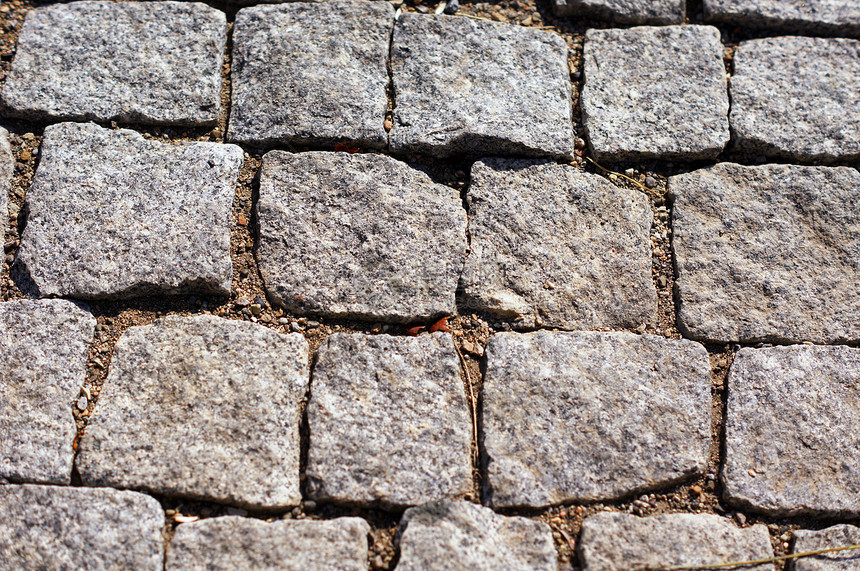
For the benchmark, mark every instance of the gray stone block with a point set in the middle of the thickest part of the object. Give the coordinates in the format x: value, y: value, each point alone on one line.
x: 113, y: 215
x: 793, y: 430
x: 43, y: 355
x: 768, y: 253
x: 311, y: 73
x: 227, y: 543
x: 47, y: 527
x: 389, y: 422
x: 618, y: 542
x: 477, y: 87
x: 7, y: 169
x: 134, y: 62
x: 797, y: 98
x: 554, y: 246
x: 821, y: 16
x: 201, y: 407
x: 591, y: 416
x: 625, y: 11
x: 358, y: 236
x: 655, y: 93
x: 836, y: 536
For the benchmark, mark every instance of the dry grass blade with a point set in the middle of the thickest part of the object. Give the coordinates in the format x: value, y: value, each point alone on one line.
x: 625, y: 177
x: 741, y: 564
x: 471, y: 400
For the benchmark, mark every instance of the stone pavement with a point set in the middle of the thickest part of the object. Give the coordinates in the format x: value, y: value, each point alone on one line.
x: 357, y: 284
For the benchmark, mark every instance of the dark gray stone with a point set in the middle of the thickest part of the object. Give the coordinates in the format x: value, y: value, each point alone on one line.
x: 113, y: 215
x: 7, y: 169
x: 478, y: 87
x: 311, y: 73
x: 135, y: 62
x: 828, y: 16
x: 836, y: 536
x: 655, y: 93
x: 201, y: 407
x: 554, y: 246
x: 625, y: 11
x: 768, y: 253
x: 589, y: 416
x: 793, y: 431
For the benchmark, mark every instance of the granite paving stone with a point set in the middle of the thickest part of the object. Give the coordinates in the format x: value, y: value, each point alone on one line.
x: 817, y: 16
x: 7, y: 169
x: 625, y: 11
x: 554, y: 246
x: 768, y: 253
x: 134, y: 62
x: 461, y: 536
x: 619, y: 542
x: 113, y: 215
x: 793, y: 430
x: 389, y: 422
x: 228, y: 543
x: 582, y: 416
x: 201, y: 407
x: 479, y: 87
x: 48, y: 527
x: 655, y: 93
x: 43, y: 355
x: 311, y: 73
x: 358, y: 236
x: 836, y: 536
x: 797, y: 98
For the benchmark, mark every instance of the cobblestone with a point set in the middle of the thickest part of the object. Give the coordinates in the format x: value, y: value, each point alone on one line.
x: 625, y: 11
x: 835, y: 536
x: 7, y: 169
x: 828, y: 16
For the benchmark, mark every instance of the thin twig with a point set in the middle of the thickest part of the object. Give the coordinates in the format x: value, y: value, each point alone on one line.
x: 625, y: 177
x: 471, y: 400
x: 733, y: 564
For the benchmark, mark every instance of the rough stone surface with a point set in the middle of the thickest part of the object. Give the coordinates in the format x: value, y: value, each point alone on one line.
x: 797, y: 98
x: 113, y: 215
x: 201, y: 407
x: 310, y: 73
x: 7, y: 169
x: 625, y: 11
x: 836, y: 536
x: 389, y: 423
x: 47, y: 527
x: 554, y: 246
x: 461, y: 536
x: 618, y: 542
x: 655, y: 93
x: 360, y: 236
x: 478, y: 87
x: 43, y: 355
x: 581, y: 416
x: 768, y: 253
x: 828, y: 16
x: 135, y: 62
x: 228, y: 543
x: 793, y: 431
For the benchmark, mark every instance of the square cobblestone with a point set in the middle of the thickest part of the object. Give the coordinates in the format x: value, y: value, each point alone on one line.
x: 821, y: 16
x: 625, y: 11
x: 831, y: 537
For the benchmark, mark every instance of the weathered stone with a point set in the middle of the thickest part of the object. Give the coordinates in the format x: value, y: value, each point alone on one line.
x: 288, y: 545
x: 135, y: 62
x: 389, y: 423
x: 581, y: 416
x: 113, y: 215
x: 655, y: 93
x: 797, y: 98
x: 828, y: 16
x: 47, y: 527
x: 768, y: 253
x: 625, y: 11
x: 618, y: 542
x: 43, y: 356
x: 552, y: 245
x: 311, y: 73
x: 836, y: 536
x: 7, y: 169
x: 201, y: 407
x: 360, y: 236
x: 458, y: 535
x: 793, y: 431
x: 477, y: 87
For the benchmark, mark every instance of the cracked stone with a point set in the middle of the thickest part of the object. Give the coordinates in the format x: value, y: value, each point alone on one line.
x: 625, y: 11
x: 835, y: 536
x: 817, y: 16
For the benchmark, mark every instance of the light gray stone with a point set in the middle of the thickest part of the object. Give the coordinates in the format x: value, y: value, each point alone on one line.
x: 7, y: 169
x: 47, y: 527
x: 461, y: 536
x: 359, y: 236
x: 768, y: 253
x: 554, y: 246
x: 797, y: 98
x: 113, y: 215
x: 655, y: 93
x: 478, y: 87
x: 311, y: 73
x: 582, y: 416
x: 836, y: 536
x: 828, y: 16
x: 43, y: 356
x: 389, y: 423
x: 625, y: 11
x: 228, y: 543
x: 135, y: 62
x: 201, y: 407
x: 793, y: 431
x: 618, y: 542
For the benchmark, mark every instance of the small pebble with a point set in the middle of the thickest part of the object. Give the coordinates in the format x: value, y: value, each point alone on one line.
x: 82, y: 404
x: 293, y: 326
x: 741, y: 518
x: 309, y: 505
x: 579, y: 143
x: 313, y: 324
x: 650, y: 181
x: 662, y: 282
x: 451, y: 7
